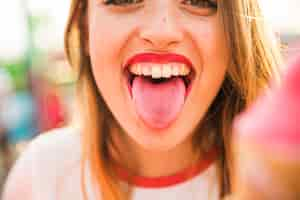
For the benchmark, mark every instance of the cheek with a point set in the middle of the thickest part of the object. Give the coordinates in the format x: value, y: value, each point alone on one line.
x: 209, y: 42
x: 213, y: 50
x: 108, y: 34
x: 103, y: 42
x: 106, y: 40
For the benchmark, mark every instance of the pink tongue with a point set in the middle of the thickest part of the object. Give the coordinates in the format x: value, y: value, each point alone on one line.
x: 158, y: 104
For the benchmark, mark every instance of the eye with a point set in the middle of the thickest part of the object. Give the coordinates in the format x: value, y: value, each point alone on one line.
x: 121, y: 2
x: 203, y: 4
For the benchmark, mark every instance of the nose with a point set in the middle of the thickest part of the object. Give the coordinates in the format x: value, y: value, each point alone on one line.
x: 161, y: 31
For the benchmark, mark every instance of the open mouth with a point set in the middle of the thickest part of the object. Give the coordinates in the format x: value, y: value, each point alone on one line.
x: 159, y: 85
x: 160, y: 74
x: 159, y: 91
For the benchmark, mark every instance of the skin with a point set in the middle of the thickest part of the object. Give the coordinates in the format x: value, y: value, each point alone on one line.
x: 115, y: 35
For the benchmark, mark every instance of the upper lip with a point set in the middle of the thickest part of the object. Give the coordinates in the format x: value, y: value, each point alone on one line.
x: 158, y: 58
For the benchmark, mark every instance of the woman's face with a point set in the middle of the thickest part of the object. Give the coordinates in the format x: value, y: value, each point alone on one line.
x: 181, y: 62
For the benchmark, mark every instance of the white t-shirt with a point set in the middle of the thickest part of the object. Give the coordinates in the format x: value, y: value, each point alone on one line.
x: 50, y: 169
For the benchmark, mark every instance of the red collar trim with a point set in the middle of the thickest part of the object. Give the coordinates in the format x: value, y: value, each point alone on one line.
x: 165, y: 181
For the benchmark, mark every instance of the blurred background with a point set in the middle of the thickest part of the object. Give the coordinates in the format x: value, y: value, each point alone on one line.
x: 36, y: 83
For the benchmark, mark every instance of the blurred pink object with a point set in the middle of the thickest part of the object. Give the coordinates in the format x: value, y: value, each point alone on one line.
x: 274, y: 120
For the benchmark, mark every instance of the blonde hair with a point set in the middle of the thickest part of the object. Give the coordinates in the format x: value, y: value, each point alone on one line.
x: 255, y: 59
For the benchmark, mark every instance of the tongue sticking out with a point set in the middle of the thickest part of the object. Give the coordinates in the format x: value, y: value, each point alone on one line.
x: 158, y: 104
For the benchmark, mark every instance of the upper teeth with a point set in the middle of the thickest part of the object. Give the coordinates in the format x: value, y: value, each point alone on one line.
x: 160, y: 70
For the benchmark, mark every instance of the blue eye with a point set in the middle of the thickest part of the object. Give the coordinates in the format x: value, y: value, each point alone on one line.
x: 121, y: 2
x: 208, y: 4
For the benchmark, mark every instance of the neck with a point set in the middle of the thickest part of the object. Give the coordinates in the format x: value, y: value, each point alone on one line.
x: 154, y: 163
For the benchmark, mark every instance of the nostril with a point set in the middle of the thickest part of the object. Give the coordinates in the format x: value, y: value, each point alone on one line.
x: 162, y: 39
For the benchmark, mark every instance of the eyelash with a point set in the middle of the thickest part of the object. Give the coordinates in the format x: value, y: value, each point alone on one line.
x: 204, y: 4
x: 117, y: 2
x: 207, y: 4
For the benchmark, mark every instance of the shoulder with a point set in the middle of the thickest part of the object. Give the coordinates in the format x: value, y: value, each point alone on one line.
x: 57, y: 143
x: 56, y: 152
x: 49, y: 158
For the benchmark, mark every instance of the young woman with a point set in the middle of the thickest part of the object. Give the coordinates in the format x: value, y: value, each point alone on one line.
x: 160, y: 82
